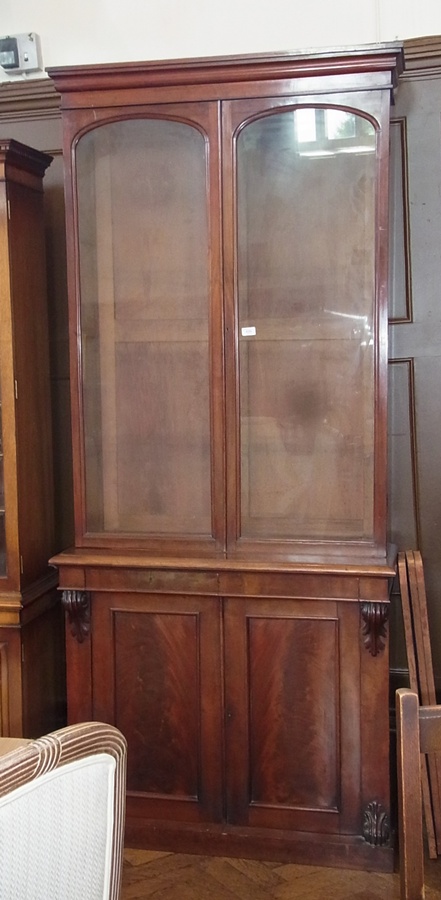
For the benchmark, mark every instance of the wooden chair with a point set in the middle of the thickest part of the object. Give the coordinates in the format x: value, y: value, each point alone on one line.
x: 418, y: 731
x: 421, y: 681
x: 62, y: 809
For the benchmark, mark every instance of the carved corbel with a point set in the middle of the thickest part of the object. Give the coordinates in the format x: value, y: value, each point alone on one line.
x: 374, y: 626
x: 77, y: 606
x: 376, y: 828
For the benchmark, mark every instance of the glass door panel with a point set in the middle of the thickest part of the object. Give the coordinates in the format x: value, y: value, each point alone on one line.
x: 2, y: 498
x: 143, y: 235
x: 306, y: 290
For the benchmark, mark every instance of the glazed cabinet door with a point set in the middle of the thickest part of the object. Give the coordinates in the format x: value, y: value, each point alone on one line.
x: 2, y: 497
x: 305, y: 375
x: 149, y: 460
x: 293, y: 753
x: 161, y: 686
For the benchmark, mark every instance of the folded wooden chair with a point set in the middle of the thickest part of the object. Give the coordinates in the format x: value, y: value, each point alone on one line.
x: 418, y: 732
x: 62, y: 807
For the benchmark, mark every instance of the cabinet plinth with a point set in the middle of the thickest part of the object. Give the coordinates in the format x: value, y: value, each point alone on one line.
x: 227, y: 596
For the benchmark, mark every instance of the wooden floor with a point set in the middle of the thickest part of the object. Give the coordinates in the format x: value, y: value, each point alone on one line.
x: 167, y: 876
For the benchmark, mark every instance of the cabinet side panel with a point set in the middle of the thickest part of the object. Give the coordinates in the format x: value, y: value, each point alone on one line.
x: 374, y: 658
x: 4, y: 705
x: 44, y: 675
x: 11, y: 721
x: 31, y: 350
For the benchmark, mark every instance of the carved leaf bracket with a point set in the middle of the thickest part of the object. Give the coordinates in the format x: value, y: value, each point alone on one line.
x: 77, y: 606
x: 376, y: 828
x: 374, y: 626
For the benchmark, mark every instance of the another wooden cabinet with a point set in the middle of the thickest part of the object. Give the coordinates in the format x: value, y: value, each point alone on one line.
x: 31, y: 637
x: 227, y: 596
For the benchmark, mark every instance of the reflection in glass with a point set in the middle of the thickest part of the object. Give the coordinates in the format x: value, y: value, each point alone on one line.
x: 305, y: 125
x: 339, y: 124
x: 306, y: 244
x: 144, y: 316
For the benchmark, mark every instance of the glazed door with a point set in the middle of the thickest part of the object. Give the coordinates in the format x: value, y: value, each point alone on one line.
x: 11, y: 250
x: 304, y: 456
x: 293, y: 743
x: 147, y: 402
x: 2, y: 501
x: 161, y: 685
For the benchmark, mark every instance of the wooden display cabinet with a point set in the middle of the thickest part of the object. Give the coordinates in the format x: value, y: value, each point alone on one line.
x: 32, y: 677
x: 227, y: 595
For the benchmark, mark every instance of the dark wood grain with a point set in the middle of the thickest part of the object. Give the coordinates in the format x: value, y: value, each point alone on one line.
x: 164, y: 674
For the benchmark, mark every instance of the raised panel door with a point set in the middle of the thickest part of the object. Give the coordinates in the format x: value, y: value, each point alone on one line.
x: 162, y: 687
x: 293, y: 714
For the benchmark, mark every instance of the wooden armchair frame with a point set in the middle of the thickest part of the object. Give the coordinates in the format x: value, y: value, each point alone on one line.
x: 418, y: 732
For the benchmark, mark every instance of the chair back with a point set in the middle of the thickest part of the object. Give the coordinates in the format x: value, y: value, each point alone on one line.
x: 62, y: 810
x: 418, y: 731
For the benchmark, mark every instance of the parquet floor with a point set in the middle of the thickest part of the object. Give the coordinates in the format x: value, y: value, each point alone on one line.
x: 168, y: 876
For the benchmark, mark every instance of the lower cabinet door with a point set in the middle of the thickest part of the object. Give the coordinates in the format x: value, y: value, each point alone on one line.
x: 244, y: 712
x: 293, y: 736
x: 157, y: 677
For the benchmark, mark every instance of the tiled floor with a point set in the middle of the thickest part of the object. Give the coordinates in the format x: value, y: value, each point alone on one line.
x: 167, y: 876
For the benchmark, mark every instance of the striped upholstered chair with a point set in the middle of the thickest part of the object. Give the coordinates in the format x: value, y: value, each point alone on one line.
x: 62, y: 807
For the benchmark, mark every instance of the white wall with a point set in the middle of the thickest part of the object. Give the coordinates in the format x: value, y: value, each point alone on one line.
x: 89, y: 31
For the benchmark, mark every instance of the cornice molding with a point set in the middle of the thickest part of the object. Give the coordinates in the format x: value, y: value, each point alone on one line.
x: 422, y: 48
x: 422, y: 56
x: 38, y: 98
x: 34, y: 99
